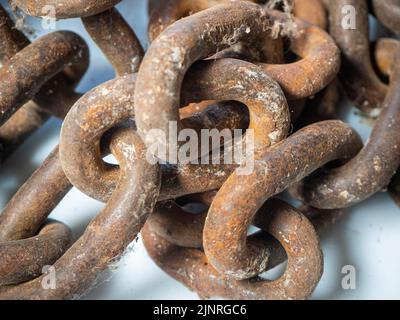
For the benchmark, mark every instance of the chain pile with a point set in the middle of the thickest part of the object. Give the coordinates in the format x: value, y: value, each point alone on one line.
x: 276, y: 69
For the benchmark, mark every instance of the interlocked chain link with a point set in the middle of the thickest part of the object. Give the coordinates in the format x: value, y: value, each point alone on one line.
x: 274, y: 69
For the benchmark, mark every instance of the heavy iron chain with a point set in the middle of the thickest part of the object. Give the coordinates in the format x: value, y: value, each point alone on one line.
x: 270, y: 67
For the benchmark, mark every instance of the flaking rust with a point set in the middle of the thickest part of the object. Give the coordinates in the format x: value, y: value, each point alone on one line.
x: 371, y: 170
x: 283, y: 229
x: 54, y: 97
x: 121, y: 220
x: 388, y: 13
x: 269, y: 68
x: 359, y: 79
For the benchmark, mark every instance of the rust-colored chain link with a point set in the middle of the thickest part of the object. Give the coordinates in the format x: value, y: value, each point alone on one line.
x: 293, y: 231
x: 388, y: 13
x: 191, y: 267
x: 23, y: 260
x: 371, y: 170
x: 266, y: 67
x: 361, y: 83
x: 121, y: 220
x: 214, y: 29
x: 112, y: 102
x: 65, y: 8
x: 52, y: 98
x: 233, y: 209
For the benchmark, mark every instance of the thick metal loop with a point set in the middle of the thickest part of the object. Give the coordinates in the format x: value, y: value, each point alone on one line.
x: 244, y: 82
x: 121, y: 220
x: 116, y: 40
x: 65, y: 9
x: 83, y: 127
x: 55, y: 97
x: 371, y: 170
x: 26, y: 72
x: 319, y: 63
x: 196, y: 37
x: 294, y: 233
x: 388, y: 13
x: 35, y: 200
x: 312, y: 11
x: 99, y: 111
x: 166, y: 12
x: 23, y: 260
x: 171, y: 54
x: 233, y: 209
x: 104, y: 24
x: 178, y: 226
x: 357, y: 74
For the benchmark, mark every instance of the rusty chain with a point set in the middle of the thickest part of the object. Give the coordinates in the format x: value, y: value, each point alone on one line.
x: 274, y: 69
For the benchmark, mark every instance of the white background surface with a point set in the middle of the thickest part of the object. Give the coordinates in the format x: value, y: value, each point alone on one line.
x: 367, y: 238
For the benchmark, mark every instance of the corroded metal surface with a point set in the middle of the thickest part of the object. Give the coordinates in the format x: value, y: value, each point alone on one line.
x: 237, y: 201
x: 35, y: 200
x: 371, y: 170
x: 121, y: 220
x: 288, y: 226
x: 65, y: 8
x: 362, y: 85
x: 173, y: 247
x: 320, y: 61
x: 23, y: 260
x: 27, y: 71
x: 267, y: 68
x: 116, y: 39
x: 193, y: 38
x: 312, y: 11
x: 84, y: 124
x: 54, y: 98
x: 388, y: 13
